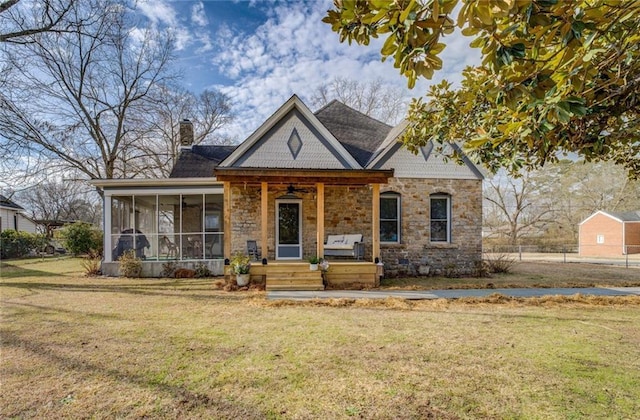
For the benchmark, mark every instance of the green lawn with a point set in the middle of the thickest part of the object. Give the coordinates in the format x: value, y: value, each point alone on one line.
x: 101, y: 347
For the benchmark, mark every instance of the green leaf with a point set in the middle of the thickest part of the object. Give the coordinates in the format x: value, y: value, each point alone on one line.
x: 389, y: 46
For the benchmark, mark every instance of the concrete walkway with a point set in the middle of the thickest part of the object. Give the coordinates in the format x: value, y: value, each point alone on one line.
x: 450, y: 294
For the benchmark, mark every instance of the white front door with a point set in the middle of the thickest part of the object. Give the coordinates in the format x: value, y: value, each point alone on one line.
x: 288, y: 229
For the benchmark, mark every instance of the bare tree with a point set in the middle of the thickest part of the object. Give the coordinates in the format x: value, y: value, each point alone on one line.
x: 208, y: 112
x: 376, y: 99
x: 19, y: 22
x: 62, y: 200
x: 518, y: 205
x: 81, y: 99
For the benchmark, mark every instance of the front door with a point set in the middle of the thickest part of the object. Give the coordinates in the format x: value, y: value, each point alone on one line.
x: 288, y: 230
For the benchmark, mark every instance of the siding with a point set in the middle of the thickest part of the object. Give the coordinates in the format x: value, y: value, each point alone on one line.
x: 632, y: 237
x: 7, y: 222
x: 601, y: 224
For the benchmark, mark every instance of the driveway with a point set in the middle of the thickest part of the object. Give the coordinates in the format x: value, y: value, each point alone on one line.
x: 449, y: 294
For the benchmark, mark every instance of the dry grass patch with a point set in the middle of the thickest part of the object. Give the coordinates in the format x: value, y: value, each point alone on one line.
x: 530, y: 274
x: 77, y: 347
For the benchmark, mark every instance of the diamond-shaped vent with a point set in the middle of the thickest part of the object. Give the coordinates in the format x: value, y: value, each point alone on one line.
x: 294, y: 143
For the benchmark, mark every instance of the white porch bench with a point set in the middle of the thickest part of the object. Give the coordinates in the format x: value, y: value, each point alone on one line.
x: 344, y: 246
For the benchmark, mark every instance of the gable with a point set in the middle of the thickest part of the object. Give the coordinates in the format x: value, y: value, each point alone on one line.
x: 427, y: 163
x: 293, y: 142
x: 599, y: 217
x: 292, y: 138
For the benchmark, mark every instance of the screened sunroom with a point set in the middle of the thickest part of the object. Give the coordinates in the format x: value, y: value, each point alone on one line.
x: 161, y: 224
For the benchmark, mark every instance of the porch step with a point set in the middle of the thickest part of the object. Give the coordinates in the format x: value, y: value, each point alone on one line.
x: 294, y: 279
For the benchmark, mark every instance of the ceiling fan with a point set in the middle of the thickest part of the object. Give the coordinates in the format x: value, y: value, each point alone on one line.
x: 291, y: 192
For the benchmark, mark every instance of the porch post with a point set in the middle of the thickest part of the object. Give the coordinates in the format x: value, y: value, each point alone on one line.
x: 375, y: 222
x: 227, y: 219
x: 264, y: 201
x: 320, y: 219
x: 106, y: 223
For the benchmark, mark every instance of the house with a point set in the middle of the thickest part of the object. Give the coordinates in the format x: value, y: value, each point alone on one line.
x: 610, y: 234
x: 298, y: 179
x: 12, y: 217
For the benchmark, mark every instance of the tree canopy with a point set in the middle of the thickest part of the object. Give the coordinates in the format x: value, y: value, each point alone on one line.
x: 556, y: 76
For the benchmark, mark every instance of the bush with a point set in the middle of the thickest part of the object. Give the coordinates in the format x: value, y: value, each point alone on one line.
x: 202, y: 270
x: 130, y: 265
x: 91, y: 264
x: 500, y: 263
x: 81, y: 238
x: 169, y: 269
x: 15, y: 244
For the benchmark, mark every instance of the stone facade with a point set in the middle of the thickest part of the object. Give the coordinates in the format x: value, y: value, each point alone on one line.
x: 415, y: 253
x: 348, y: 210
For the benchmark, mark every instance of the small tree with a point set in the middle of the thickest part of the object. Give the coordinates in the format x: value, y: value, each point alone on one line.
x: 81, y: 238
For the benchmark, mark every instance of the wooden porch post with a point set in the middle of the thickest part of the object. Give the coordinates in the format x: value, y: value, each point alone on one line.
x: 227, y: 219
x: 264, y: 201
x: 320, y: 219
x: 375, y: 222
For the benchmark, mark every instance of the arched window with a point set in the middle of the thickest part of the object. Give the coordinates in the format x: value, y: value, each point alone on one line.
x: 390, y: 217
x: 440, y: 205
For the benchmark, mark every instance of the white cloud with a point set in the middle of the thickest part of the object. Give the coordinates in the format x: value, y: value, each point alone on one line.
x: 291, y: 52
x: 198, y: 15
x: 158, y: 12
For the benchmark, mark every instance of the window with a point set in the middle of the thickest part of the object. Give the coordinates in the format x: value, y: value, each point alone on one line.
x: 440, y: 218
x: 600, y: 239
x: 390, y: 218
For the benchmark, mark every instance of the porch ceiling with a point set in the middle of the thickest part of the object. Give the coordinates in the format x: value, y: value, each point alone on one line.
x: 327, y: 176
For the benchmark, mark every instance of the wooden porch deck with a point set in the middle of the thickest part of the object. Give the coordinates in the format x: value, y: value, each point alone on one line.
x: 295, y: 275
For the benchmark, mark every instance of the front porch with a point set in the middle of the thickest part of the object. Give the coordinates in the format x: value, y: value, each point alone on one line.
x: 296, y: 275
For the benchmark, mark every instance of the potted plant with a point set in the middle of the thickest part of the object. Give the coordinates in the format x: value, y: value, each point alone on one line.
x: 313, y: 262
x: 240, y: 266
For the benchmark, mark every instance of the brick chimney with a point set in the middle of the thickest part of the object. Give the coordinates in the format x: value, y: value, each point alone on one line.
x: 186, y: 133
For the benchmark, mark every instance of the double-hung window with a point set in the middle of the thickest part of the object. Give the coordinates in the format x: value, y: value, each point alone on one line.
x: 440, y: 217
x: 390, y: 218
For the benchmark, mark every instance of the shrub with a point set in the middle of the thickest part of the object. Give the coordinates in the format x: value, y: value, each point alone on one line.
x: 500, y: 263
x: 169, y: 269
x: 481, y: 269
x: 451, y: 271
x: 130, y: 265
x: 91, y: 264
x: 81, y: 238
x: 202, y: 270
x: 14, y: 244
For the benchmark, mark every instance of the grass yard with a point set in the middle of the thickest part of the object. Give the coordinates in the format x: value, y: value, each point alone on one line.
x: 128, y: 348
x: 531, y: 274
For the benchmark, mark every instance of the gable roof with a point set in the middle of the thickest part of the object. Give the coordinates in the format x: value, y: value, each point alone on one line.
x: 7, y: 203
x: 628, y: 216
x: 199, y: 161
x: 427, y: 163
x: 360, y: 134
x: 622, y: 217
x: 293, y: 113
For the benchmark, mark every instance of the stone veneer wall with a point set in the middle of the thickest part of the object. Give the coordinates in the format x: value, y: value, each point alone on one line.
x: 348, y: 210
x: 245, y: 217
x: 415, y: 247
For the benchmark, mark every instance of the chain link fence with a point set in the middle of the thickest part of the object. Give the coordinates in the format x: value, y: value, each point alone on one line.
x: 628, y: 256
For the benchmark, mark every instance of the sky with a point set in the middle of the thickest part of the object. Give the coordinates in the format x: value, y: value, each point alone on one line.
x: 260, y: 53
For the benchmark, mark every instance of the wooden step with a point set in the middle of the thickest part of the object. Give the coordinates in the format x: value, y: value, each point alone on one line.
x: 294, y: 280
x: 294, y: 287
